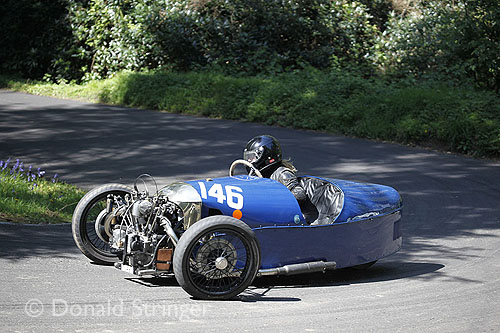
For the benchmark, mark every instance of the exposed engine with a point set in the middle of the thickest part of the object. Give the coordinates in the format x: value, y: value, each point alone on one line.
x: 142, y: 230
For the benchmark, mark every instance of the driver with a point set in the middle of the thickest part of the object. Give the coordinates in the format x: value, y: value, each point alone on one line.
x: 264, y: 152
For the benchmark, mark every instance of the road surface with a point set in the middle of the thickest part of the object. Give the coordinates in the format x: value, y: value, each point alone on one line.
x: 446, y: 277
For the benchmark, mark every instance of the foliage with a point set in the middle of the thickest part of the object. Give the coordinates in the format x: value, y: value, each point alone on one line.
x: 272, y: 36
x: 458, y: 119
x: 309, y: 64
x: 379, y: 12
x: 26, y: 195
x: 32, y: 31
x: 109, y: 36
x: 81, y: 40
x: 246, y: 36
x: 455, y: 41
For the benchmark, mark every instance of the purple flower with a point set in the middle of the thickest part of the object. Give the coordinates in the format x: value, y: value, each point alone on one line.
x: 55, y: 178
x: 29, y: 174
x: 15, y: 165
x: 40, y: 173
x: 6, y: 163
x: 1, y: 163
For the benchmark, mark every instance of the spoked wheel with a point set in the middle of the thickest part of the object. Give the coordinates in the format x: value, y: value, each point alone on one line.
x: 217, y: 258
x: 92, y: 227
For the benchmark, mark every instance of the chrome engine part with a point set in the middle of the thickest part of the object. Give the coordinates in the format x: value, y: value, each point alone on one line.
x: 141, y: 209
x: 137, y: 227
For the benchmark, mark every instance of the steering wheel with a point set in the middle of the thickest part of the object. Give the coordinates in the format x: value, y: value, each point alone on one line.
x: 253, y: 170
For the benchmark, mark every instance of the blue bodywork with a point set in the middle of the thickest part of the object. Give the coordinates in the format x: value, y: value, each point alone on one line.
x: 367, y: 228
x: 265, y: 202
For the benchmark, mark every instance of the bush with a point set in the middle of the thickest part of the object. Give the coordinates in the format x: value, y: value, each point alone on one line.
x: 272, y: 36
x: 237, y: 36
x: 445, y: 41
x: 32, y: 31
x: 455, y: 41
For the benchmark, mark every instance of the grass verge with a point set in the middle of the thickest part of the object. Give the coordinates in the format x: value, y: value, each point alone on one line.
x: 459, y: 119
x: 27, y: 196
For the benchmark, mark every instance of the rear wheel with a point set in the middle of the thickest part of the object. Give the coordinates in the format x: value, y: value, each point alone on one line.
x: 89, y: 225
x: 216, y: 258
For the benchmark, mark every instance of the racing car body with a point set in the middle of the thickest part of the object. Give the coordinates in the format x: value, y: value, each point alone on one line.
x: 217, y: 235
x: 363, y: 225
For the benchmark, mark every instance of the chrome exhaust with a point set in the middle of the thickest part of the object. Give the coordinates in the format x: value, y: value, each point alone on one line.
x: 307, y: 267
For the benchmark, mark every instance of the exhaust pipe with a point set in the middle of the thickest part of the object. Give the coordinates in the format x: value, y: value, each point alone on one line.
x: 307, y: 267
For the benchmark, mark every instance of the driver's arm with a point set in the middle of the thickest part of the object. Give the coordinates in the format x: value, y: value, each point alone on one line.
x: 288, y: 178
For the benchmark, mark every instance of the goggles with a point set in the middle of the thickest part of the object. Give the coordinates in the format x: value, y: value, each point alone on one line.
x: 252, y: 156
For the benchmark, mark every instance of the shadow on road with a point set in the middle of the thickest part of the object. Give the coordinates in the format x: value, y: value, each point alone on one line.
x: 257, y: 292
x: 448, y: 200
x: 18, y: 242
x: 377, y: 273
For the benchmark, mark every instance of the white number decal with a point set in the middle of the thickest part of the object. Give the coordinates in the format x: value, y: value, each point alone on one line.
x: 203, y: 190
x: 234, y: 196
x: 217, y: 192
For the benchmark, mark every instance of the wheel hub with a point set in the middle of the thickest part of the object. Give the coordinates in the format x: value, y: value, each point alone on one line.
x: 217, y: 253
x: 221, y: 263
x: 103, y: 225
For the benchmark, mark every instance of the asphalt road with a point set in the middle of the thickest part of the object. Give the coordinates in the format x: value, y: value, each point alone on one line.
x: 446, y: 277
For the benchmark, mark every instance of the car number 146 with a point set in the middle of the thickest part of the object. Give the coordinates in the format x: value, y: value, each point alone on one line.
x: 229, y: 193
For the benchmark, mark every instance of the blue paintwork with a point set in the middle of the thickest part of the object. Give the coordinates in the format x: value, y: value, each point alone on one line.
x: 362, y: 198
x: 265, y: 201
x: 367, y: 229
x: 348, y: 244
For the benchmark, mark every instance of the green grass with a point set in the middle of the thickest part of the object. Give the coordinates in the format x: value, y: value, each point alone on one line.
x: 36, y: 200
x: 459, y: 119
x: 435, y: 114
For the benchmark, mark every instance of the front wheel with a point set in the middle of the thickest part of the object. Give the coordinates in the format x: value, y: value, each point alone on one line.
x: 216, y: 258
x: 89, y: 234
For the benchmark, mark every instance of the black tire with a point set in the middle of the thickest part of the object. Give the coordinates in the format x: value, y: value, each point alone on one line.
x: 83, y: 223
x: 216, y: 258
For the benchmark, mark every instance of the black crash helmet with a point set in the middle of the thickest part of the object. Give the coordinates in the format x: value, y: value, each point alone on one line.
x: 262, y: 151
